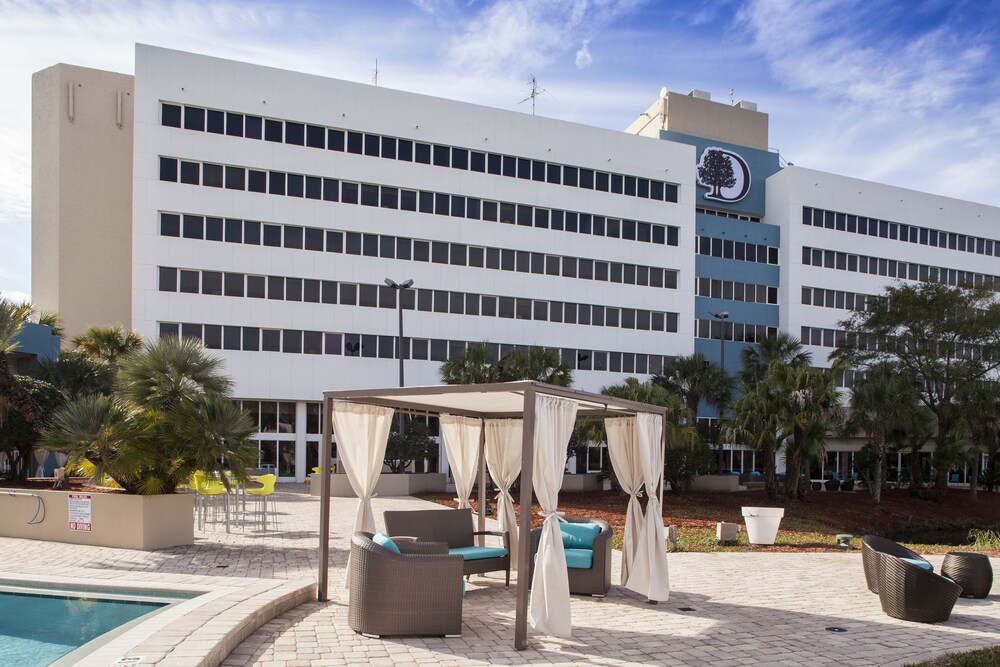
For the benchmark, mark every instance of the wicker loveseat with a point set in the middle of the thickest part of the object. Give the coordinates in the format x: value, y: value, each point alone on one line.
x: 415, y: 592
x: 454, y: 528
x: 871, y: 547
x: 593, y: 580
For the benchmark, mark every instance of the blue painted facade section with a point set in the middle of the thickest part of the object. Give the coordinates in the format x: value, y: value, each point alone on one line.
x: 737, y: 230
x: 739, y: 311
x: 762, y: 164
x: 38, y: 340
x: 730, y: 269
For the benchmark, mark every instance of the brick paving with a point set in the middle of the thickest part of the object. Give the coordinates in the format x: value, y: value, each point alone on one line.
x: 725, y: 608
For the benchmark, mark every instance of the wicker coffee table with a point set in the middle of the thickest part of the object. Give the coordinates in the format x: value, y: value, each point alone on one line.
x: 972, y: 572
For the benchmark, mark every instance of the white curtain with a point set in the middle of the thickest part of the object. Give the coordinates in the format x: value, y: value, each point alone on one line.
x: 624, y: 452
x: 549, y: 608
x: 461, y: 441
x: 503, y: 460
x: 649, y: 575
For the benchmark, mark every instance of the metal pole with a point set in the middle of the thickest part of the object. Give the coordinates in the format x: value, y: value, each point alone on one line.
x: 399, y: 340
x: 324, y: 496
x: 482, y: 484
x: 524, y: 525
x: 722, y: 317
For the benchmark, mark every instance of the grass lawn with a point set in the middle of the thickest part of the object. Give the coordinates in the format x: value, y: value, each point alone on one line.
x: 987, y: 657
x: 927, y: 526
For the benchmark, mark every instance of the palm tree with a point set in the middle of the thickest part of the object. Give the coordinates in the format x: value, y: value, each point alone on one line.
x: 52, y: 320
x: 541, y: 364
x: 476, y: 366
x: 781, y: 348
x: 910, y: 433
x: 812, y: 410
x: 109, y: 344
x: 682, y: 439
x: 169, y: 416
x: 755, y: 420
x: 696, y: 379
x: 982, y: 415
x: 883, y: 396
x: 13, y: 317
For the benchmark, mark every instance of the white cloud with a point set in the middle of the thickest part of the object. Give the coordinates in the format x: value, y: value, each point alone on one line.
x: 583, y: 57
x: 518, y: 36
x: 16, y: 297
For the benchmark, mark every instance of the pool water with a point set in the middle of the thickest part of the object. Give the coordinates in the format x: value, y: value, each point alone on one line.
x: 37, y: 629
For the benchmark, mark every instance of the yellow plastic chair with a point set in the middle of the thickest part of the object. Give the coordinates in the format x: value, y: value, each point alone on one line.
x: 208, y: 488
x: 262, y: 494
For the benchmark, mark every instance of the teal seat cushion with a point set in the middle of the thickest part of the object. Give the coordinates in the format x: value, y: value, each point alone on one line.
x: 579, y: 535
x: 477, y: 553
x: 919, y: 563
x: 383, y: 540
x: 579, y: 559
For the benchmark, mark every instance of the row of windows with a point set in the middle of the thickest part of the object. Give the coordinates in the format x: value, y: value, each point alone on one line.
x: 279, y: 416
x: 738, y: 250
x: 735, y: 331
x: 408, y: 150
x: 438, y: 301
x: 892, y: 268
x: 897, y: 231
x: 294, y: 341
x: 831, y: 298
x: 714, y: 288
x: 394, y: 247
x: 727, y: 214
x: 437, y: 203
x: 823, y: 337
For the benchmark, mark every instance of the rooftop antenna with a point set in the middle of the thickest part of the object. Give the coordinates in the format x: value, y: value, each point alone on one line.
x: 375, y: 75
x: 535, y: 92
x: 732, y: 101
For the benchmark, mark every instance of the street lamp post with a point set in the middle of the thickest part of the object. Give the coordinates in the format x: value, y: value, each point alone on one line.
x: 400, y: 288
x: 722, y: 317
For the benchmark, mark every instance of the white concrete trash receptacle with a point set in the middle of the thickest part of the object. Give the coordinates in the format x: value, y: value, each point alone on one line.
x: 762, y: 523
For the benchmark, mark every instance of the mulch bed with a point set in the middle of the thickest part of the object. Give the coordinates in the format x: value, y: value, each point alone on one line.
x: 808, y: 525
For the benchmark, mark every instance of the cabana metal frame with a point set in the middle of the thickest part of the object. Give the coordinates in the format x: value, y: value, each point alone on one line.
x: 507, y: 400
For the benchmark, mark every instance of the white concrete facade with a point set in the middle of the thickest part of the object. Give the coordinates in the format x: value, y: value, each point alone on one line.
x: 794, y: 188
x: 164, y: 76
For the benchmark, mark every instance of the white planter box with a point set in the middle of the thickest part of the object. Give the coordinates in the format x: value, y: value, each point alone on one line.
x: 762, y: 523
x: 117, y: 520
x: 389, y: 484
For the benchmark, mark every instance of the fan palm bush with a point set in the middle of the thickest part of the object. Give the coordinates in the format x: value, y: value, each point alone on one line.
x: 169, y: 416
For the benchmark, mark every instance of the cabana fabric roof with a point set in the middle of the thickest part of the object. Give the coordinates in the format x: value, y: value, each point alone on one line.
x: 498, y: 400
x: 510, y: 400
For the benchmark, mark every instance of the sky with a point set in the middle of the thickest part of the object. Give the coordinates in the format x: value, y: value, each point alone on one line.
x: 905, y: 93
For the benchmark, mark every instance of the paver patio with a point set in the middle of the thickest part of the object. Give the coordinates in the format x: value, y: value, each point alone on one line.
x: 725, y: 608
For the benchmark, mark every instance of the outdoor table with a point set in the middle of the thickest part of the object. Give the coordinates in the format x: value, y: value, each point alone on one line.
x: 971, y: 571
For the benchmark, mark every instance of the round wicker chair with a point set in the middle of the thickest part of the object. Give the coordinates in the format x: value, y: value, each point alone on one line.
x: 871, y: 546
x: 911, y: 593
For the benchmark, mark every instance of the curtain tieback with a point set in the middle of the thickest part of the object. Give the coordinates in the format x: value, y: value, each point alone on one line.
x: 502, y: 494
x: 558, y: 515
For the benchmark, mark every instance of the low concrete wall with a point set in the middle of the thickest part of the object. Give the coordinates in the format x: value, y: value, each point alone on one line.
x: 586, y: 482
x: 118, y: 520
x: 389, y: 484
x: 717, y: 483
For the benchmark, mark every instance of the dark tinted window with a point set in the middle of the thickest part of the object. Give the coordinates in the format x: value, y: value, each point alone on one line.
x: 194, y: 118
x: 168, y: 279
x: 252, y: 127
x: 170, y: 224
x: 315, y: 137
x: 170, y: 115
x: 168, y: 169
x: 272, y: 130
x: 295, y: 133
x: 212, y: 175
x: 215, y: 122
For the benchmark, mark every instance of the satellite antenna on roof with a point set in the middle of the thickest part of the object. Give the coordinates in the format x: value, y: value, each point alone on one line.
x: 535, y: 92
x: 375, y: 74
x: 731, y: 99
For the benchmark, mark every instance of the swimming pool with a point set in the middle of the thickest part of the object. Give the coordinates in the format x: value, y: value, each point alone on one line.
x: 40, y: 625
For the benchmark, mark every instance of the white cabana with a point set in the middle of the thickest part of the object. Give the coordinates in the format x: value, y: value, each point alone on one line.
x: 503, y: 460
x: 545, y: 414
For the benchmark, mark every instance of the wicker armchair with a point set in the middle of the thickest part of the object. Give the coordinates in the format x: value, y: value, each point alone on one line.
x: 912, y: 593
x: 595, y: 581
x: 416, y: 592
x: 871, y: 546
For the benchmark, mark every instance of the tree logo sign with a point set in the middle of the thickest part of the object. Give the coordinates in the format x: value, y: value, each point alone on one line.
x: 725, y: 174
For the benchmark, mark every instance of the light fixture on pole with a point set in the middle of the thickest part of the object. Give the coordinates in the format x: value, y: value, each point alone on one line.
x: 722, y: 317
x: 401, y: 287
